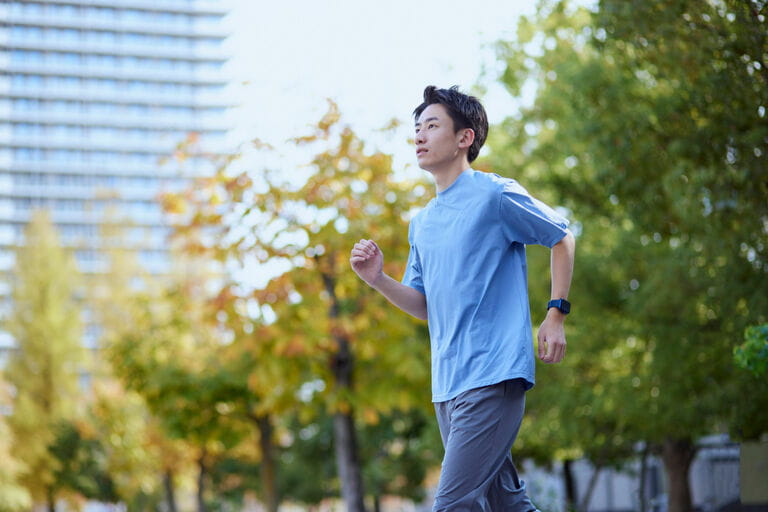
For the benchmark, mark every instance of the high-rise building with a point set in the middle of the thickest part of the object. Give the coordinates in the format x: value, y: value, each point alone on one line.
x: 93, y: 95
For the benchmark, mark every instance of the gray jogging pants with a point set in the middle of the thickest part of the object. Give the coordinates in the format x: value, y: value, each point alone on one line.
x: 478, y: 428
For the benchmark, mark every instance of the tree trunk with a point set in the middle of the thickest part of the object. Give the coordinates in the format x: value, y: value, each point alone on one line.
x: 342, y: 363
x: 643, y: 478
x: 571, y: 500
x: 590, y: 489
x: 348, y: 462
x: 677, y: 455
x: 201, y: 476
x: 347, y: 458
x: 50, y: 499
x: 170, y: 493
x: 268, y: 464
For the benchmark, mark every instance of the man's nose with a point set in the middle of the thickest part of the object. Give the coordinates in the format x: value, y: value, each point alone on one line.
x: 419, y: 138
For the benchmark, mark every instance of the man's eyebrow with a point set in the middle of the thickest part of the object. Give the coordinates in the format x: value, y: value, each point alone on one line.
x: 427, y: 119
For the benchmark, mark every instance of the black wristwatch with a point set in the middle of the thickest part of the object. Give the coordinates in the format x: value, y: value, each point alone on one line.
x: 563, y: 305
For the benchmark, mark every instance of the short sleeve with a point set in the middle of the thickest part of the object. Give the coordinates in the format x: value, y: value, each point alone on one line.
x: 527, y: 220
x: 413, y: 276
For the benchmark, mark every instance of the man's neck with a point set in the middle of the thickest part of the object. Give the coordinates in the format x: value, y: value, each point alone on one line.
x: 445, y: 177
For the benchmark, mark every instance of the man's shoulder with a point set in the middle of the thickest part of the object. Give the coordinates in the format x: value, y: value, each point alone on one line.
x: 490, y: 179
x: 490, y: 184
x: 497, y: 183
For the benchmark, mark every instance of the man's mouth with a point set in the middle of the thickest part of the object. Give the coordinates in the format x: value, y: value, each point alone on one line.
x: 420, y: 151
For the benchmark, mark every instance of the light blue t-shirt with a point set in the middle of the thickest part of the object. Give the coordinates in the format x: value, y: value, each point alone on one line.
x: 467, y: 257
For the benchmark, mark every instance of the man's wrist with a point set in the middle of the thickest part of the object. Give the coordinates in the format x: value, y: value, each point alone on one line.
x: 560, y: 304
x: 556, y: 314
x: 376, y: 281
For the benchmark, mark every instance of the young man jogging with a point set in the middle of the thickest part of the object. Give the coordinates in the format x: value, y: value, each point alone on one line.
x: 466, y: 275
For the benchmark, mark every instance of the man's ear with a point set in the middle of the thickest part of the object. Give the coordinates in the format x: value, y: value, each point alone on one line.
x: 466, y: 137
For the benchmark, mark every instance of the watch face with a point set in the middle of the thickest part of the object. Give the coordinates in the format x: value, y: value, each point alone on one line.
x: 563, y: 305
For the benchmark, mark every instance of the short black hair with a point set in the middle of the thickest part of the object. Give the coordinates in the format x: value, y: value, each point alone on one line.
x: 465, y: 111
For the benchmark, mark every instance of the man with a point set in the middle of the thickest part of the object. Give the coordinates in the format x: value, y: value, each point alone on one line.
x: 466, y: 275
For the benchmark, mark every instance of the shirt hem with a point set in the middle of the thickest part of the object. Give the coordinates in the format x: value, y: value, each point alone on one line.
x: 529, y: 381
x: 556, y: 240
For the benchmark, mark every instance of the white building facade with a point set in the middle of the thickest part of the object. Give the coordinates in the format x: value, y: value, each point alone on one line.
x: 94, y: 94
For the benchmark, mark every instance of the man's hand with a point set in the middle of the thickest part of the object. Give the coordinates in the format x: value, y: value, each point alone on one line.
x: 367, y: 261
x: 552, y: 337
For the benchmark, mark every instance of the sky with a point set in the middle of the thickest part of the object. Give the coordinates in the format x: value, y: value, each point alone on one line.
x: 373, y: 58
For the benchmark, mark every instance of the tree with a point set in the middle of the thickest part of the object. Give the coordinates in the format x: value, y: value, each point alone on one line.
x: 261, y: 370
x: 397, y: 452
x: 44, y: 369
x: 752, y: 355
x: 369, y: 357
x: 750, y: 420
x: 214, y: 376
x: 142, y: 458
x: 578, y: 408
x: 13, y: 497
x: 648, y: 124
x: 81, y: 463
x: 166, y: 356
x: 139, y: 457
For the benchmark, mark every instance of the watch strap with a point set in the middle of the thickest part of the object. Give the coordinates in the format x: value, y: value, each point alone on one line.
x: 561, y: 304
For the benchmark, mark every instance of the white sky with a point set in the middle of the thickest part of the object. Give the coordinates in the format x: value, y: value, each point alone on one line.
x: 373, y: 58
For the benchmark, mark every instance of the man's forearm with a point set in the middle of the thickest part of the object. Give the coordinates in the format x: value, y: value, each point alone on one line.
x: 404, y: 297
x: 562, y: 266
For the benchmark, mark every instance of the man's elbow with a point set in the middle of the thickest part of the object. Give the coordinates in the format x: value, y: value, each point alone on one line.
x: 567, y: 242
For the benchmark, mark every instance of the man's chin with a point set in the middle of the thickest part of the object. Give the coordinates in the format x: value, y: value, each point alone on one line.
x: 423, y: 164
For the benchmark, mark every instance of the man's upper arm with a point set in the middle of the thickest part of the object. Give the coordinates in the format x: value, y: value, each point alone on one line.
x: 413, y: 273
x: 527, y: 220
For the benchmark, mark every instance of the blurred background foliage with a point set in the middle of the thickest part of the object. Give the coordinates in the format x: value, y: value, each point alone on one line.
x: 647, y: 127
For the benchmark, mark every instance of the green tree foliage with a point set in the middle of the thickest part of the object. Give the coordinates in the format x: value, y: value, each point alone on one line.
x: 143, y: 461
x: 44, y: 368
x: 136, y: 451
x: 261, y: 370
x: 168, y: 356
x: 219, y: 366
x: 649, y: 124
x: 752, y: 355
x: 370, y: 358
x: 751, y: 413
x: 13, y: 497
x: 81, y: 463
x: 397, y: 451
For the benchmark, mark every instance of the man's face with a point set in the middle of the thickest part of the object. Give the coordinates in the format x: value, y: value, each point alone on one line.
x: 436, y: 142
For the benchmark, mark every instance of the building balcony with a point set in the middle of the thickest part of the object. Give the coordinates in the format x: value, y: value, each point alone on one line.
x: 202, y: 78
x: 139, y: 145
x: 116, y: 167
x: 112, y: 194
x: 118, y: 49
x: 80, y: 217
x: 158, y: 145
x: 134, y: 238
x: 96, y: 95
x: 197, y: 30
x: 207, y: 7
x: 159, y: 121
x: 15, y: 222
